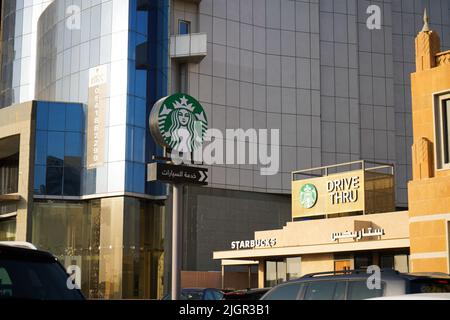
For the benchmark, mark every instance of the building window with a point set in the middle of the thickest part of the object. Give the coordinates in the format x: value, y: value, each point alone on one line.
x: 445, y: 130
x: 59, y: 149
x: 9, y: 165
x: 293, y: 268
x: 275, y: 272
x: 184, y: 27
x: 8, y: 229
x: 442, y: 127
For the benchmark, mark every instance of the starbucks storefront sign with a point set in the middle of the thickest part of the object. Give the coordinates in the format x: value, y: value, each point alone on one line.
x: 328, y: 195
x: 179, y: 122
x: 322, y: 193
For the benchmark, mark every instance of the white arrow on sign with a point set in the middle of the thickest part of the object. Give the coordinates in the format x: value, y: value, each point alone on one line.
x: 203, y: 176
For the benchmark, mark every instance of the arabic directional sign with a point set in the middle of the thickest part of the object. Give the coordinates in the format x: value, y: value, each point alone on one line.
x: 171, y: 173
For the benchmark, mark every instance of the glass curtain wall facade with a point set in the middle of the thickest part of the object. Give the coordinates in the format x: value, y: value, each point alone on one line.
x: 60, y: 144
x: 18, y: 59
x: 112, y: 219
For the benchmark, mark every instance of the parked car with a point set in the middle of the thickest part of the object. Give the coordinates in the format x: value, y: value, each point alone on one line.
x: 417, y: 296
x: 198, y: 294
x: 249, y: 294
x: 352, y: 285
x: 30, y: 274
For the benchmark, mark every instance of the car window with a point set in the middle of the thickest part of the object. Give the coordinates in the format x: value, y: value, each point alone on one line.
x: 339, y: 291
x: 320, y: 290
x: 430, y: 286
x: 218, y: 294
x: 36, y: 280
x: 358, y: 290
x: 284, y: 292
x: 5, y: 284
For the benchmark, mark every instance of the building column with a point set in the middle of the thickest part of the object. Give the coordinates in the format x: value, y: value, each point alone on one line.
x: 261, y: 273
x: 111, y: 247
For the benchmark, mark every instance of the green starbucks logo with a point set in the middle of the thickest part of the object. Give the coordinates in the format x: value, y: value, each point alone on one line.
x: 179, y: 122
x: 308, y: 196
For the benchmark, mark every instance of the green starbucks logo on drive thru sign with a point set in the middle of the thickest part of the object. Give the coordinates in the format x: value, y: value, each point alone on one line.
x: 308, y: 196
x: 178, y: 122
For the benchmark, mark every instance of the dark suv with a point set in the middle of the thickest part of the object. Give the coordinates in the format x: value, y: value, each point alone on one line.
x: 29, y: 274
x: 353, y: 285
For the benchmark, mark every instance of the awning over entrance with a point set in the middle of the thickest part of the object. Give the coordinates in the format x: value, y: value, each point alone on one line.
x: 255, y: 254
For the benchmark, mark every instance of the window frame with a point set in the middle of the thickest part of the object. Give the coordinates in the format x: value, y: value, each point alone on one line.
x: 439, y: 99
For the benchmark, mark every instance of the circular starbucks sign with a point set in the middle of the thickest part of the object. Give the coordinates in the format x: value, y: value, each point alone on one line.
x: 308, y: 196
x: 178, y: 122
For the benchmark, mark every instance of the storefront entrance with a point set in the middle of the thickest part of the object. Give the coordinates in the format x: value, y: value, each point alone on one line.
x: 282, y: 270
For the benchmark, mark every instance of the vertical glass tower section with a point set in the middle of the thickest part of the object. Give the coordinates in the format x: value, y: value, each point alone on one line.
x: 18, y: 59
x: 112, y: 36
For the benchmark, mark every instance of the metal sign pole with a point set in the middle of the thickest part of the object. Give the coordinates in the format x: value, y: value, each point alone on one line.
x: 162, y: 127
x: 176, y: 239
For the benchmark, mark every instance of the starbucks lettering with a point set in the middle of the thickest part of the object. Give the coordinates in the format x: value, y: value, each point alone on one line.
x: 343, y: 190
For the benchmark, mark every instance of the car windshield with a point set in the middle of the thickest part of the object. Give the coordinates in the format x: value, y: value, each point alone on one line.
x: 34, y: 280
x: 430, y: 286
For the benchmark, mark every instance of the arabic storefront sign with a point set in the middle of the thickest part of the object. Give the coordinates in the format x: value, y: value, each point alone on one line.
x: 253, y: 244
x: 357, y: 235
x: 96, y: 116
x: 171, y: 173
x: 328, y: 195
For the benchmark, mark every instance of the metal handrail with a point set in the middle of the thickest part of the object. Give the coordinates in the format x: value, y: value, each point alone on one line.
x: 362, y: 163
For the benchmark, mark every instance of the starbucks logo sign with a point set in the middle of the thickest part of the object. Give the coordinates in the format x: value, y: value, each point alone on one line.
x: 308, y: 196
x: 178, y: 122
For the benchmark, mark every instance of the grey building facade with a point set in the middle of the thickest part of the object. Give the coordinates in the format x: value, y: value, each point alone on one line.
x: 334, y: 82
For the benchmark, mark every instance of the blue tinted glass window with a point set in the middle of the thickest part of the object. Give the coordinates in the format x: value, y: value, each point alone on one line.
x: 129, y: 177
x: 54, y: 181
x: 55, y: 149
x: 41, y: 147
x: 141, y: 83
x: 139, y: 178
x: 142, y: 19
x: 72, y: 181
x: 42, y: 116
x: 129, y: 144
x: 73, y: 147
x: 74, y: 118
x: 139, y: 145
x: 140, y: 113
x: 56, y: 116
x: 130, y: 110
x: 39, y: 180
x: 184, y: 27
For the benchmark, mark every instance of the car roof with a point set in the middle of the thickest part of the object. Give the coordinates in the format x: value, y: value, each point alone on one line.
x: 358, y: 274
x: 19, y: 244
x: 198, y: 289
x: 24, y: 253
x: 249, y: 290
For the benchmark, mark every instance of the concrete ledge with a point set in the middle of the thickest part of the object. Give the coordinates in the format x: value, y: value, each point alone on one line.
x: 10, y: 198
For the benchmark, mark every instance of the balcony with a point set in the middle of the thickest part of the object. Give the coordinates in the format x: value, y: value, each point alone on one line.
x: 190, y: 48
x: 145, y: 5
